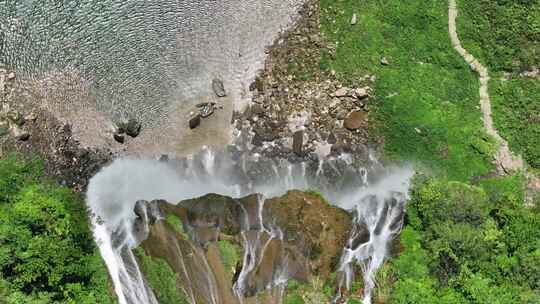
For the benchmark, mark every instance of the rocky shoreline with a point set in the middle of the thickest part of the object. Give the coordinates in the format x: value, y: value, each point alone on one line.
x: 298, y: 110
x: 298, y: 113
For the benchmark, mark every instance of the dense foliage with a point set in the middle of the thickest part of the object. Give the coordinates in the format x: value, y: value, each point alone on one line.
x: 469, y: 244
x: 506, y: 34
x: 47, y: 254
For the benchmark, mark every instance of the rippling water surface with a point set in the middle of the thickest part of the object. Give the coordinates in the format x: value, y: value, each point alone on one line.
x: 93, y: 62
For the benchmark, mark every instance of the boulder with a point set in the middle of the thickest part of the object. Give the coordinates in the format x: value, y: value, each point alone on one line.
x: 257, y: 109
x: 11, y: 76
x: 355, y: 120
x: 361, y: 93
x: 342, y: 92
x: 298, y: 142
x: 219, y: 89
x: 120, y: 138
x: 195, y: 121
x: 206, y: 109
x: 133, y: 128
x: 331, y: 138
x: 31, y: 117
x: 164, y: 158
x: 19, y: 133
x: 385, y: 61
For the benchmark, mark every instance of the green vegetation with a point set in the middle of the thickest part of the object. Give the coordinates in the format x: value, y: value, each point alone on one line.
x: 469, y: 244
x: 426, y: 99
x: 161, y: 278
x: 505, y: 36
x: 314, y: 292
x: 47, y: 254
x: 230, y: 253
x: 319, y: 291
x: 177, y: 225
x: 462, y: 243
x: 318, y: 194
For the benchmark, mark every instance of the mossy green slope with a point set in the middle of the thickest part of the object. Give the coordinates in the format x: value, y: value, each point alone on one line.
x: 427, y: 97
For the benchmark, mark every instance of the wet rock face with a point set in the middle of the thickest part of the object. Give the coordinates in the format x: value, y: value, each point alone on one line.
x: 311, y: 226
x: 295, y: 236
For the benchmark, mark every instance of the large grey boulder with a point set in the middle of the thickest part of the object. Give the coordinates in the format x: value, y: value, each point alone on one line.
x: 133, y: 128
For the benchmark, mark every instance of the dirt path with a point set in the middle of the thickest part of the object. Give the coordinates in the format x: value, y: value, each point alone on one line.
x: 505, y: 160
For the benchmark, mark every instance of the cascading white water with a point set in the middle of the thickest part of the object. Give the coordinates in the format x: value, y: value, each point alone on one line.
x: 112, y: 194
x: 254, y: 246
x: 380, y: 208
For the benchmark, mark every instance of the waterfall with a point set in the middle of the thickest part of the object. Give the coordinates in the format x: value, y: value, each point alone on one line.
x: 379, y: 211
x: 377, y: 196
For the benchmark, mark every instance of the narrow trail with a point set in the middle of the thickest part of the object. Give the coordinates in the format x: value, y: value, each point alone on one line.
x: 505, y: 160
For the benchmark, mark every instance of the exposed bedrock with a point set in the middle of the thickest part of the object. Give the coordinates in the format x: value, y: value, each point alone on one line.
x: 295, y: 236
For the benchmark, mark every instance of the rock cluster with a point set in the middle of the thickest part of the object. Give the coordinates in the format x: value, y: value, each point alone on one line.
x: 306, y: 98
x: 130, y: 127
x: 206, y: 109
x: 11, y: 120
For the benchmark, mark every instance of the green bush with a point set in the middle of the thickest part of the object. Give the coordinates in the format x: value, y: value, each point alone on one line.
x: 47, y: 254
x: 468, y: 244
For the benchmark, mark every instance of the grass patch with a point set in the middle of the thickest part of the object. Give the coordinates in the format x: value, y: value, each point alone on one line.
x: 426, y: 103
x: 230, y: 254
x: 177, y: 225
x: 317, y: 194
x: 313, y: 292
x: 505, y: 35
x: 161, y: 278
